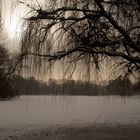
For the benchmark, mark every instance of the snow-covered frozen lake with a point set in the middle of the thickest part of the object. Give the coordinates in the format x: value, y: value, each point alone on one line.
x: 36, y: 110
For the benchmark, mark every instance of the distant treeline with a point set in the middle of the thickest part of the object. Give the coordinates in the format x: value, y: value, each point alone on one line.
x: 120, y: 86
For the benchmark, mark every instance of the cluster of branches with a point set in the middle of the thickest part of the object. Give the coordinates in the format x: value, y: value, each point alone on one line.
x: 9, y: 64
x: 97, y: 29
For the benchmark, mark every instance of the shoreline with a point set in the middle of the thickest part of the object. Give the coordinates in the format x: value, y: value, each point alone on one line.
x: 66, y: 132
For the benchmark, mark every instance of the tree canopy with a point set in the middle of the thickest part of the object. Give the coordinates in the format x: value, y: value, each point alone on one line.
x: 84, y: 29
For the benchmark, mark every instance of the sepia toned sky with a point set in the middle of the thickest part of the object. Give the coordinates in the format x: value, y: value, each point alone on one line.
x: 13, y: 13
x: 11, y: 22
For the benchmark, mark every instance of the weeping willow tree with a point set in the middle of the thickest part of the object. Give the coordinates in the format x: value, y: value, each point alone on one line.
x: 89, y: 31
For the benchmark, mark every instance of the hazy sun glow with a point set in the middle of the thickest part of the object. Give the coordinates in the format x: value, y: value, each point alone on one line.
x: 13, y: 13
x: 12, y: 18
x: 13, y: 29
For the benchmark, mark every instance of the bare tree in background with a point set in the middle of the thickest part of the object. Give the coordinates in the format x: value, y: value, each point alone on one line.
x: 8, y: 66
x: 91, y: 30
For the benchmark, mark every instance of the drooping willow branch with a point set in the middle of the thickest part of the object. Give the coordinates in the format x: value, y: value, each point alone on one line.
x: 101, y: 28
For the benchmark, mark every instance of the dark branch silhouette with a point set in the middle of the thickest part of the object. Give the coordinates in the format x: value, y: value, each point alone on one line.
x: 96, y: 28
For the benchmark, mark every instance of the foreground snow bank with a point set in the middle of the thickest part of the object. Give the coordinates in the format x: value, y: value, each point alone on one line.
x: 59, y: 132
